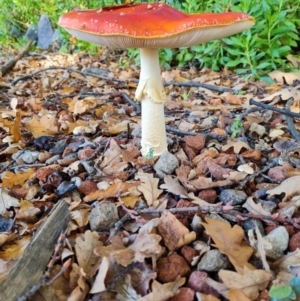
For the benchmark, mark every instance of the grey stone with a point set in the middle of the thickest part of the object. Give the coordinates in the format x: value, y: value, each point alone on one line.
x: 165, y: 165
x: 237, y: 197
x: 213, y: 261
x: 249, y: 224
x: 28, y: 156
x: 56, y: 38
x: 278, y: 239
x: 31, y: 33
x: 268, y: 205
x: 103, y: 216
x: 45, y: 32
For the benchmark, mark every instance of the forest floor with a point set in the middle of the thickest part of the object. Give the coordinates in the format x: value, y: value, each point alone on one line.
x: 83, y: 216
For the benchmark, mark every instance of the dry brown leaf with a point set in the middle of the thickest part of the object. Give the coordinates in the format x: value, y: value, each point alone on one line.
x: 204, y: 183
x: 237, y: 146
x: 229, y: 241
x: 13, y: 251
x: 285, y: 94
x: 10, y: 179
x: 250, y: 282
x: 282, y: 77
x: 16, y: 128
x: 235, y: 294
x: 28, y: 212
x: 99, y: 284
x: 81, y: 216
x: 290, y: 187
x: 7, y: 201
x: 162, y: 292
x: 287, y: 262
x: 47, y: 125
x: 84, y: 247
x: 261, y: 250
x: 172, y: 185
x: 149, y: 188
x: 255, y: 208
x: 118, y: 128
x: 80, y: 292
x: 116, y: 188
x: 112, y: 162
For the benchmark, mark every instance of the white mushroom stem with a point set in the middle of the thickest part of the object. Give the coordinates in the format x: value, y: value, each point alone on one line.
x: 150, y: 92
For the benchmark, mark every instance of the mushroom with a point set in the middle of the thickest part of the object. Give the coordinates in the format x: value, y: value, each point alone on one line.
x: 151, y: 27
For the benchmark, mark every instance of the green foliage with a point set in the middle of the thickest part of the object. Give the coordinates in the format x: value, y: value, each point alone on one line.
x: 236, y: 126
x: 150, y: 154
x: 285, y: 292
x: 262, y: 48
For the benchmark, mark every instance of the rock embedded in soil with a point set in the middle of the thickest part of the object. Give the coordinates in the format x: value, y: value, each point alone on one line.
x: 208, y: 195
x: 166, y: 164
x: 213, y: 261
x: 279, y: 239
x: 103, y: 217
x: 45, y: 32
x: 268, y: 205
x: 168, y: 268
x: 188, y: 253
x: 237, y: 197
x: 294, y: 243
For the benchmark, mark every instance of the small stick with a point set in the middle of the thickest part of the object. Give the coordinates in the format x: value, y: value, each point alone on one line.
x: 9, y: 65
x: 184, y: 133
x: 268, y: 107
x: 291, y: 126
x: 131, y: 102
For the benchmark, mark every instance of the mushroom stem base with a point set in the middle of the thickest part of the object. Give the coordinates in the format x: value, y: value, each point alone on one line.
x: 153, y: 128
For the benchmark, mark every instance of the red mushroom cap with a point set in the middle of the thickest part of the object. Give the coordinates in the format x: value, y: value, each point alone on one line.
x: 155, y: 25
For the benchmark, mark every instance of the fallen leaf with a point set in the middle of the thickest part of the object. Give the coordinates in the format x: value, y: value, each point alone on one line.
x: 250, y: 282
x: 84, y: 247
x: 7, y: 201
x: 149, y: 188
x: 282, y: 77
x: 229, y: 241
x: 99, y: 284
x: 235, y: 294
x: 10, y: 179
x: 204, y: 183
x: 255, y: 208
x: 14, y: 250
x: 290, y: 187
x: 172, y: 185
x: 237, y: 146
x: 115, y: 189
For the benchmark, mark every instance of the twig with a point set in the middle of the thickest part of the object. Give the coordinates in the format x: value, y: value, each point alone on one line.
x: 250, y: 177
x: 295, y: 134
x: 184, y: 133
x: 268, y: 107
x: 131, y: 102
x: 13, y: 161
x: 62, y: 68
x: 27, y: 166
x: 9, y: 65
x: 201, y: 85
x: 180, y: 84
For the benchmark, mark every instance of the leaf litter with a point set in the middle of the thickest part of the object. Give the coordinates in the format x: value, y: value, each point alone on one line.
x: 74, y: 137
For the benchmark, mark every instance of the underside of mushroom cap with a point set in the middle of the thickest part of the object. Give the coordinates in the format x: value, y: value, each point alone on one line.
x: 155, y: 25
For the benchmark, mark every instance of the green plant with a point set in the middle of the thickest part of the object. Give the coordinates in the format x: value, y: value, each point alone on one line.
x: 236, y: 126
x: 150, y: 154
x: 285, y: 291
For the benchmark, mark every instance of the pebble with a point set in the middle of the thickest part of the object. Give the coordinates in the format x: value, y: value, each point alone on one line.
x: 237, y: 197
x: 197, y: 281
x: 165, y: 165
x: 249, y: 224
x: 103, y: 217
x: 268, y: 205
x: 213, y: 261
x: 28, y: 157
x: 279, y: 239
x: 168, y: 268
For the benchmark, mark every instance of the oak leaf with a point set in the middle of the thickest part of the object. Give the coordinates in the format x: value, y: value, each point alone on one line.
x: 149, y: 188
x: 7, y: 201
x: 172, y: 185
x: 10, y: 179
x: 229, y: 241
x: 250, y: 282
x: 290, y: 187
x: 84, y: 247
x: 14, y: 250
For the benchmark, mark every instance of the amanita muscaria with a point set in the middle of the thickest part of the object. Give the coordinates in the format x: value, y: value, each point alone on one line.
x: 151, y: 27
